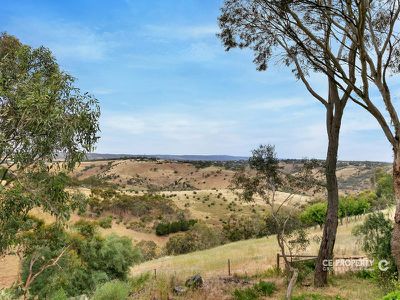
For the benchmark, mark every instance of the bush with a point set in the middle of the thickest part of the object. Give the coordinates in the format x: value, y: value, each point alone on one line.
x: 105, y: 222
x: 265, y: 288
x: 243, y: 228
x: 245, y: 294
x: 258, y: 290
x: 116, y: 290
x: 348, y: 206
x: 384, y: 188
x: 59, y: 295
x: 375, y: 235
x: 353, y: 206
x: 200, y: 237
x: 89, y: 261
x: 314, y: 214
x: 173, y: 227
x: 392, y: 296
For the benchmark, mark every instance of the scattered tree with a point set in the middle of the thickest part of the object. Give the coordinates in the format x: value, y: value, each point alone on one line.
x: 302, y: 37
x: 265, y: 180
x: 42, y: 116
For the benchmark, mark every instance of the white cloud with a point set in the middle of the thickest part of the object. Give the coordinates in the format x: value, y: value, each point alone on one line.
x: 66, y: 40
x: 182, y: 127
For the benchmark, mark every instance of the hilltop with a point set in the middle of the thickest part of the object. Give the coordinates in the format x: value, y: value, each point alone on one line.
x: 161, y: 174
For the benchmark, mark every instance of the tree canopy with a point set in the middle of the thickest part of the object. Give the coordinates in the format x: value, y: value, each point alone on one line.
x: 43, y: 117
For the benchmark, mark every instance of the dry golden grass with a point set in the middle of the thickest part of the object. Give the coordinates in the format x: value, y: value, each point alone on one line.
x: 250, y: 256
x: 217, y: 288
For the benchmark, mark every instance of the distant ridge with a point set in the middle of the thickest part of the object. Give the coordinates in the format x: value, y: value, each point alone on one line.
x: 104, y: 156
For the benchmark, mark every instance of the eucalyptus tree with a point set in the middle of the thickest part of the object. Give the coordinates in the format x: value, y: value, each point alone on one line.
x: 263, y: 182
x: 299, y: 35
x: 42, y: 115
x: 372, y: 25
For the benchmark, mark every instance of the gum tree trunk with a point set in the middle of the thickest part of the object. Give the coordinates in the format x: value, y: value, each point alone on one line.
x: 334, y: 118
x: 396, y: 227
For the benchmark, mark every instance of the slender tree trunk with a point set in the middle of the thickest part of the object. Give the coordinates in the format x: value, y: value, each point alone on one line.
x: 334, y: 118
x: 292, y: 283
x: 396, y: 228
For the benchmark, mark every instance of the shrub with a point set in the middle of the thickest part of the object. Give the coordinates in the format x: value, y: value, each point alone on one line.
x: 243, y: 228
x: 375, y: 235
x: 265, y: 288
x: 173, y: 227
x: 116, y: 290
x: 384, y: 188
x: 314, y: 214
x: 258, y: 290
x: 245, y: 294
x: 353, y: 206
x: 89, y: 261
x: 200, y: 237
x: 59, y: 295
x: 392, y: 296
x: 105, y: 222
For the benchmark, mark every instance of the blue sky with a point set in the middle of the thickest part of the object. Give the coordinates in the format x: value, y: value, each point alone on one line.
x: 166, y: 85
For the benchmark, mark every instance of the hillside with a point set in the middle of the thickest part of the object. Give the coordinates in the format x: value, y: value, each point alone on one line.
x: 143, y: 174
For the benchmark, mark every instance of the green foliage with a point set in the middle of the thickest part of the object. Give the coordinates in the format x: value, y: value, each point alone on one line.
x: 395, y: 295
x: 353, y: 205
x: 46, y: 114
x: 384, y: 188
x: 243, y: 227
x: 105, y: 222
x: 42, y: 115
x: 314, y: 214
x: 116, y: 290
x: 375, y: 235
x: 165, y: 228
x: 59, y: 295
x: 365, y: 274
x: 348, y: 206
x: 258, y: 290
x: 200, y: 237
x: 89, y: 260
x: 265, y: 288
x: 36, y: 189
x: 245, y: 294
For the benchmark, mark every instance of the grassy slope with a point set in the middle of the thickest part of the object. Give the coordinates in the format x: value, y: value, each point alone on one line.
x: 250, y: 256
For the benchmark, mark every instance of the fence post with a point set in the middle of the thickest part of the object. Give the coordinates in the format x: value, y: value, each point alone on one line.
x: 229, y: 267
x: 155, y: 273
x: 277, y: 261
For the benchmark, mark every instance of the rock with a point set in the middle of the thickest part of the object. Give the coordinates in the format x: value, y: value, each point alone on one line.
x: 179, y: 290
x: 195, y: 282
